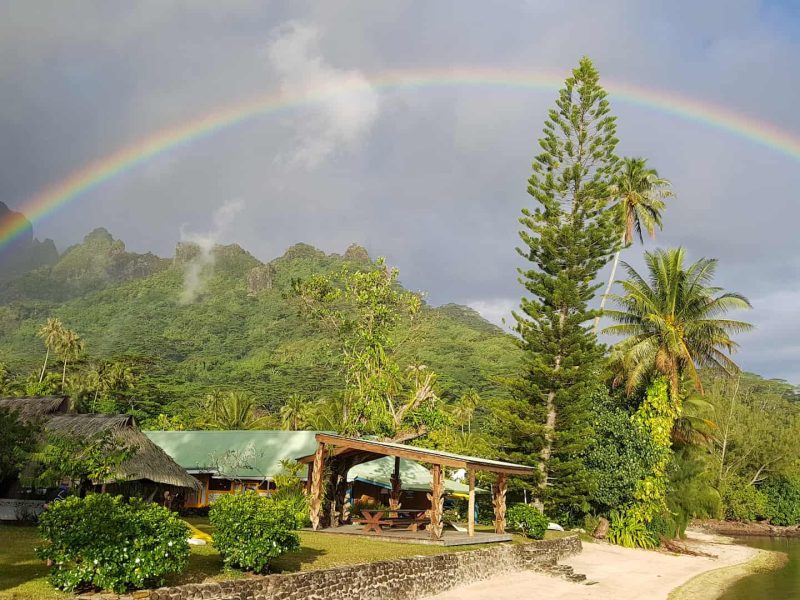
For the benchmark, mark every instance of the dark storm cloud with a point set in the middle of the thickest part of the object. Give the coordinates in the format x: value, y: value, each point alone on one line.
x: 434, y: 179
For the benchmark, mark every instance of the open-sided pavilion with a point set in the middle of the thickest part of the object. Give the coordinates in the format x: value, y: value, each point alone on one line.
x: 337, y: 454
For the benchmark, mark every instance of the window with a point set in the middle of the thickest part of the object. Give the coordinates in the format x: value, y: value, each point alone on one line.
x: 219, y: 485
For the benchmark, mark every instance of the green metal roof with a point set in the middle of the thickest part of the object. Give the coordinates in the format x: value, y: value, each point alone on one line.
x: 413, y: 476
x: 193, y: 450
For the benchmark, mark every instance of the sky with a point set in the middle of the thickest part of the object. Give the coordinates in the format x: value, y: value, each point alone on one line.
x: 433, y: 178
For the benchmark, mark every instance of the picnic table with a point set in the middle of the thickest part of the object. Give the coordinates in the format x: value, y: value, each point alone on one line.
x: 375, y: 520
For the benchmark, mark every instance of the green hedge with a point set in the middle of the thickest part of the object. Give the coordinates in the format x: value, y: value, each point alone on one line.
x: 250, y: 530
x: 782, y: 500
x: 527, y: 519
x: 105, y: 542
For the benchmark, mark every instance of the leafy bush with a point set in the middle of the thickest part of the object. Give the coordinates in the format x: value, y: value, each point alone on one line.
x: 250, y: 530
x: 743, y: 502
x: 289, y: 488
x: 590, y: 522
x: 106, y: 542
x: 782, y: 500
x: 628, y: 531
x: 527, y: 519
x: 621, y: 456
x: 666, y: 525
x: 691, y: 492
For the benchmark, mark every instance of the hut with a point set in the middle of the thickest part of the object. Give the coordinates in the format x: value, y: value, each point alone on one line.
x: 35, y: 409
x: 147, y: 465
x: 147, y: 472
x: 225, y: 462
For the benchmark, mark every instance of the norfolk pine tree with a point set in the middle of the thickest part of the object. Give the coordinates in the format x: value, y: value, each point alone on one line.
x: 568, y: 237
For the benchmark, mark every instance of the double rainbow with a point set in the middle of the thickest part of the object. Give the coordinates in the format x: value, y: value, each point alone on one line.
x: 172, y: 138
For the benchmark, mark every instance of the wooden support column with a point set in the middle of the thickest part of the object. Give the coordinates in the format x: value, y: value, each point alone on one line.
x: 471, y: 505
x: 309, y: 476
x: 437, y: 502
x: 315, y: 505
x: 394, y: 496
x: 499, y: 501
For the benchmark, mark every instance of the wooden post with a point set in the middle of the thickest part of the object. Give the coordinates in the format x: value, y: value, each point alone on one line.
x: 309, y: 476
x: 499, y: 501
x: 471, y: 505
x: 394, y: 496
x: 437, y: 502
x: 315, y: 505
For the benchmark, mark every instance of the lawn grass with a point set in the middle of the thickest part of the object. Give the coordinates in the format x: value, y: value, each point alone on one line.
x: 24, y: 577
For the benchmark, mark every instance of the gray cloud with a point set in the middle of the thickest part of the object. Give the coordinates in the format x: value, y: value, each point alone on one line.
x: 433, y: 178
x: 349, y: 103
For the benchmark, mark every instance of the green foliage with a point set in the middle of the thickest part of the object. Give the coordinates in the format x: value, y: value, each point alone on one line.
x: 290, y: 490
x: 628, y: 530
x: 783, y: 500
x: 655, y: 416
x: 250, y: 531
x: 234, y: 338
x: 674, y: 321
x: 742, y: 501
x: 108, y: 543
x: 690, y: 488
x: 231, y: 411
x: 362, y: 311
x: 622, y: 455
x: 527, y: 519
x: 81, y: 459
x: 568, y: 237
x: 17, y: 442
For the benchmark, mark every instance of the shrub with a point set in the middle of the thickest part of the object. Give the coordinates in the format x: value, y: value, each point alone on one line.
x: 621, y: 456
x: 289, y: 488
x: 528, y: 520
x: 743, y: 502
x: 782, y: 500
x: 627, y: 530
x: 106, y: 542
x: 250, y: 530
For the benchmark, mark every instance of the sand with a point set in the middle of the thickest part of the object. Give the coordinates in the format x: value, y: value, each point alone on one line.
x: 615, y: 573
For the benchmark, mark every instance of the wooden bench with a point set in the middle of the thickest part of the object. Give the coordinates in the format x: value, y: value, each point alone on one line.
x: 375, y: 520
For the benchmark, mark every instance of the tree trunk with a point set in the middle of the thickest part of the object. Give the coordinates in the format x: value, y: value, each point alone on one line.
x: 64, y: 376
x: 725, y: 435
x: 610, y: 283
x: 550, y: 426
x: 44, y: 366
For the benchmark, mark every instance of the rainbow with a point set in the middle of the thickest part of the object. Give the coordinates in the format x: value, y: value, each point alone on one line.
x: 96, y: 173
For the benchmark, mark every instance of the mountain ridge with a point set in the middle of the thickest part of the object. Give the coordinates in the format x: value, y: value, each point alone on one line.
x: 240, y: 332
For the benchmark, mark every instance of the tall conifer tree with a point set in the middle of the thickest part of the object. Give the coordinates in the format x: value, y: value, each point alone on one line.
x: 568, y: 236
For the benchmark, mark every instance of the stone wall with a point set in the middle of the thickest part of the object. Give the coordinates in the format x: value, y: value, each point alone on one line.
x: 400, y: 579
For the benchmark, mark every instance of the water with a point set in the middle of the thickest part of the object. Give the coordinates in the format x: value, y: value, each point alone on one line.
x: 783, y: 584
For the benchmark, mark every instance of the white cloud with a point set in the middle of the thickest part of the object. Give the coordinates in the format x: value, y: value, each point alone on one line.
x: 201, y: 267
x: 349, y: 105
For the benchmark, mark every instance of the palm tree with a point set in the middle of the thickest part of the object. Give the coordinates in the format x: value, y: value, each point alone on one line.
x: 293, y: 413
x: 640, y: 195
x: 51, y: 334
x: 70, y: 346
x: 674, y: 321
x: 464, y: 410
x: 233, y: 410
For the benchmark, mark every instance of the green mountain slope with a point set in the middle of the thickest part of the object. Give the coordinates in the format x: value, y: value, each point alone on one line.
x: 242, y: 330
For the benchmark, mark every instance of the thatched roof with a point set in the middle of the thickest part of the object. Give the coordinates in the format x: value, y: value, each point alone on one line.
x: 30, y: 409
x: 148, y: 460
